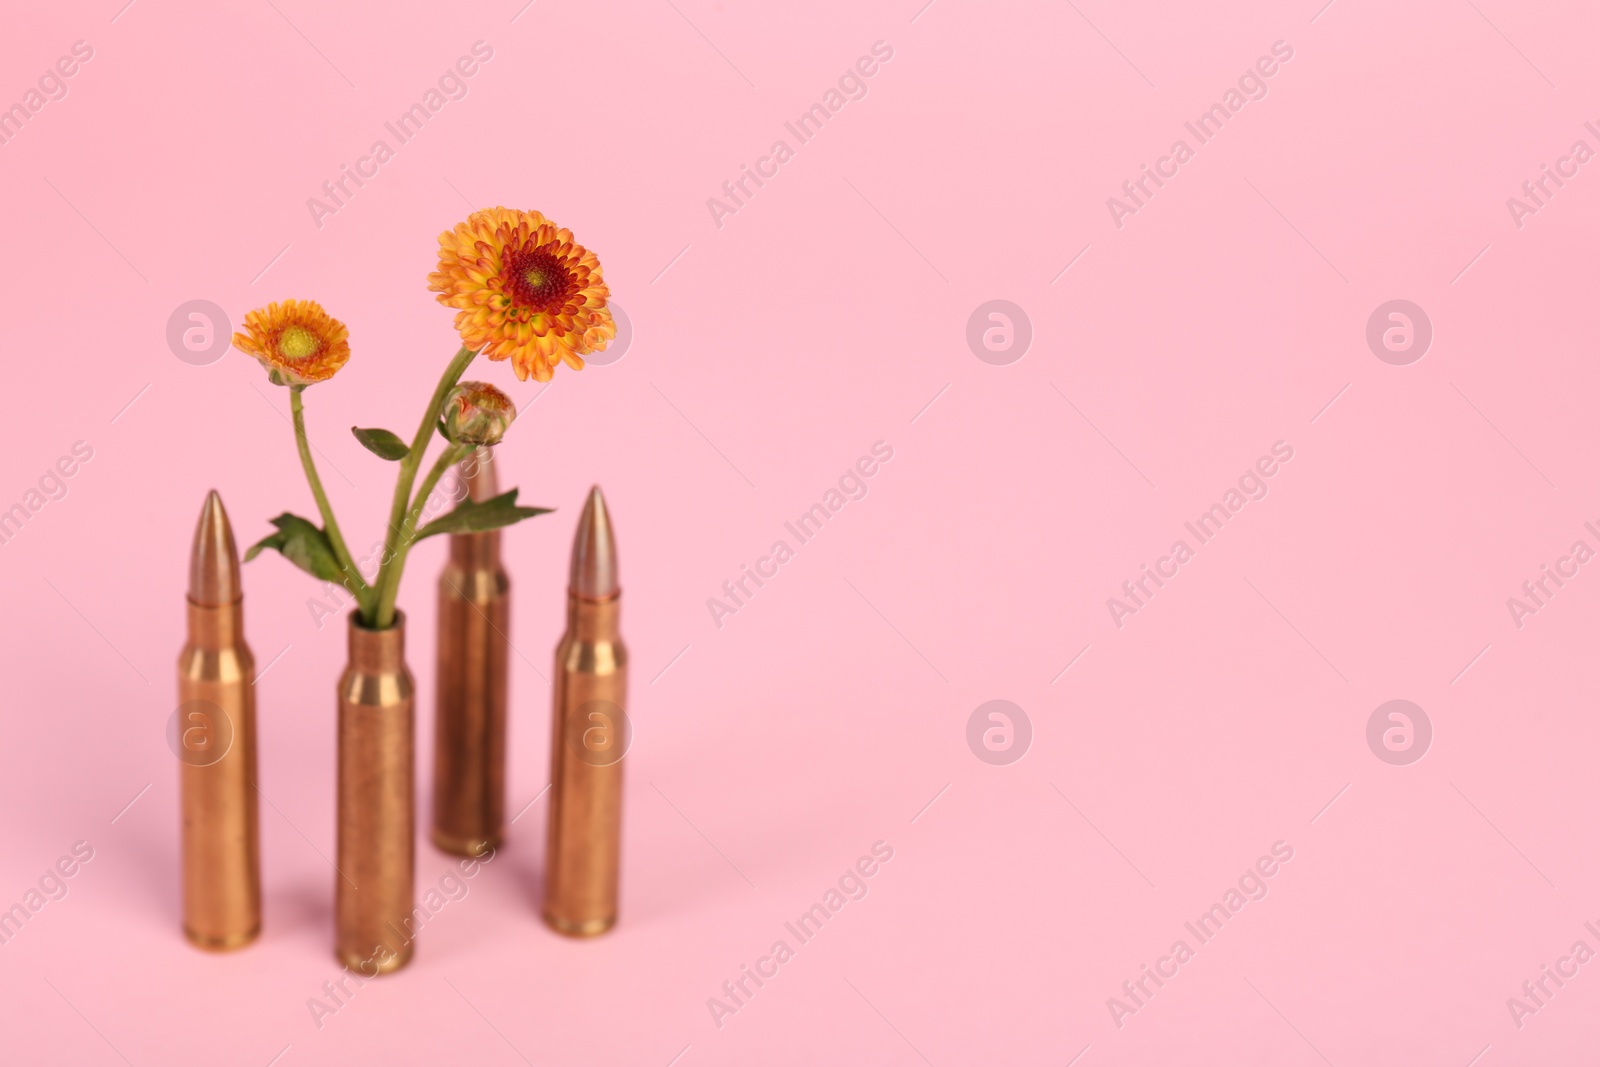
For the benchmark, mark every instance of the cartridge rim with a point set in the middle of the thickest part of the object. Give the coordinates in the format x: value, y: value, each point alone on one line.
x: 226, y: 943
x: 470, y: 847
x: 584, y: 929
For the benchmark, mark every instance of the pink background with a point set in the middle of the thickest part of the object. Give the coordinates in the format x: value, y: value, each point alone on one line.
x: 769, y: 354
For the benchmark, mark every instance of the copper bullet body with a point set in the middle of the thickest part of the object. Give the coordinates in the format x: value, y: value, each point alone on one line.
x: 215, y: 741
x: 469, y: 753
x: 374, y: 929
x: 590, y: 734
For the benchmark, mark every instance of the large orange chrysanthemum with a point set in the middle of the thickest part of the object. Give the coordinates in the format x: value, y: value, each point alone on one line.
x: 526, y: 291
x: 297, y: 341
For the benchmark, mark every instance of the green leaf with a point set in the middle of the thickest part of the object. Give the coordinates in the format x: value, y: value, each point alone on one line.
x: 382, y: 443
x: 440, y: 427
x: 471, y: 516
x: 301, y: 543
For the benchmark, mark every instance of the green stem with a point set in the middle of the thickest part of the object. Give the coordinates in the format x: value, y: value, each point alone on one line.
x: 388, y: 594
x: 380, y: 616
x: 340, y: 551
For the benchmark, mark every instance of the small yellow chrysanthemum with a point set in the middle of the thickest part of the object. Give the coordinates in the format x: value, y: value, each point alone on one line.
x: 525, y: 290
x: 297, y: 341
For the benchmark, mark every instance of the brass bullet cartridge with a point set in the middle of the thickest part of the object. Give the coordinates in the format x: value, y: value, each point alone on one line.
x: 469, y: 751
x: 215, y: 740
x: 590, y: 736
x: 375, y: 926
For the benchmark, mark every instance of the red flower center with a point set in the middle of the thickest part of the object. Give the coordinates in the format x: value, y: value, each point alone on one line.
x: 536, y: 280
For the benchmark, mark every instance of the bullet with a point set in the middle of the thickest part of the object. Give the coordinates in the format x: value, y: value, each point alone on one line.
x: 375, y: 926
x: 590, y: 736
x: 215, y: 740
x: 469, y: 751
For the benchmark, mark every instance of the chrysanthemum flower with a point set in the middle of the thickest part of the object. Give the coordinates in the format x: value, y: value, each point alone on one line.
x: 525, y: 290
x: 476, y: 413
x: 297, y: 341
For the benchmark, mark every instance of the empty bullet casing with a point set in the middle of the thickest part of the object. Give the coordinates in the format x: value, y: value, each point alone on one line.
x: 215, y: 740
x: 375, y: 929
x: 590, y: 736
x: 469, y: 751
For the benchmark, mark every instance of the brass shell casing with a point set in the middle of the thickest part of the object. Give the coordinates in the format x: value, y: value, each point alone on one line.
x: 583, y: 847
x: 217, y: 797
x: 469, y: 751
x: 374, y: 886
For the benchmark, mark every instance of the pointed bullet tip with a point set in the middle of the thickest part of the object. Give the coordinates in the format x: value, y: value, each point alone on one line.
x: 594, y: 551
x: 213, y: 558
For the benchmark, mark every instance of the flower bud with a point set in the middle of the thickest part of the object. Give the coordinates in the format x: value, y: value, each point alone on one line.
x: 476, y: 413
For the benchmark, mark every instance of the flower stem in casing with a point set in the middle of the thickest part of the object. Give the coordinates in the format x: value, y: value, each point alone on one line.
x: 354, y: 582
x: 380, y: 614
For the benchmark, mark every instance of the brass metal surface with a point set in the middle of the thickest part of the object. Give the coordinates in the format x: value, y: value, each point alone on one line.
x: 375, y: 930
x: 588, y: 740
x: 216, y: 747
x: 469, y: 751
